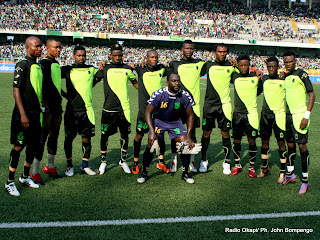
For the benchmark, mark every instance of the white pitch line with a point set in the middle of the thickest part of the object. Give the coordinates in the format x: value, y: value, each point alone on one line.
x: 317, y: 102
x: 157, y: 220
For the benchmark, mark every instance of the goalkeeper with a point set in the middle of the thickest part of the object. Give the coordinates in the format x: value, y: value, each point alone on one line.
x: 166, y: 105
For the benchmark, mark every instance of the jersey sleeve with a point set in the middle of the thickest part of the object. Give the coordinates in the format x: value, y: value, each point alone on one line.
x: 170, y: 69
x: 99, y: 74
x: 204, y: 69
x: 19, y: 72
x: 131, y: 76
x: 306, y: 80
x: 188, y: 101
x: 155, y: 99
x: 64, y: 71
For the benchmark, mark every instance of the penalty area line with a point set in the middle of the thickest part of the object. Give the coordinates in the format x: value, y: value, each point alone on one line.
x: 157, y: 220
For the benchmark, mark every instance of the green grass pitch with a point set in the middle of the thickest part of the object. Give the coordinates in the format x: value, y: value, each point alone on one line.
x: 116, y: 195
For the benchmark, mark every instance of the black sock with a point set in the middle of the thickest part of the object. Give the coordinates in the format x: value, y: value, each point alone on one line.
x: 252, y: 154
x: 283, y: 167
x: 147, y: 158
x: 26, y: 171
x: 304, y: 165
x: 103, y: 157
x: 11, y: 176
x: 236, y: 151
x: 185, y: 158
x: 291, y: 158
x: 123, y: 156
x: 69, y: 163
x: 136, y: 148
x: 205, y: 145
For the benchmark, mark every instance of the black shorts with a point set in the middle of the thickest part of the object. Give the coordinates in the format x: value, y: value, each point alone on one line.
x: 78, y: 122
x: 267, y: 123
x: 292, y: 135
x: 242, y: 127
x: 142, y: 127
x: 211, y: 113
x: 111, y: 121
x: 196, y: 122
x: 21, y: 136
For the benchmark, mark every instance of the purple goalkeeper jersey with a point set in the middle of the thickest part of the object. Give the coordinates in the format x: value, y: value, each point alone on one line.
x: 169, y: 106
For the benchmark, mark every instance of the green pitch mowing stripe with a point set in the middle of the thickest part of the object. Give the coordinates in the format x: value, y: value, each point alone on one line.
x: 157, y: 220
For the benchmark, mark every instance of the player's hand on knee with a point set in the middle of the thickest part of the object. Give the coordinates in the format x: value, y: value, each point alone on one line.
x: 155, y: 147
x: 188, y: 147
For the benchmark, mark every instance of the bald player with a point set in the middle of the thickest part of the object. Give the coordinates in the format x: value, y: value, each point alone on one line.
x: 27, y: 114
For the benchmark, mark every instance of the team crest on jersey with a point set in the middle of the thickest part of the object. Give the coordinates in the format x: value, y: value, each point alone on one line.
x: 228, y: 124
x: 160, y: 75
x: 280, y: 85
x: 177, y: 130
x: 204, y: 121
x: 197, y: 67
x: 296, y: 136
x: 252, y: 81
x: 254, y: 133
x: 281, y: 135
x: 293, y: 80
x: 89, y: 72
x: 177, y: 105
x: 20, y: 136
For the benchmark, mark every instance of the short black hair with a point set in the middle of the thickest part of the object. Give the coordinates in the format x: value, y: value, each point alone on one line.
x: 150, y: 51
x: 221, y: 45
x: 243, y: 57
x: 168, y: 78
x: 52, y: 39
x: 116, y: 47
x: 273, y: 59
x: 188, y: 41
x: 289, y: 53
x: 78, y: 48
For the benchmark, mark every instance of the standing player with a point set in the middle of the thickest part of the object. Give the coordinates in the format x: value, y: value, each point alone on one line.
x: 164, y: 109
x: 79, y: 115
x: 190, y: 70
x: 273, y: 116
x: 245, y: 116
x: 51, y: 92
x: 217, y: 105
x: 116, y: 110
x: 150, y: 80
x: 26, y: 116
x: 297, y: 84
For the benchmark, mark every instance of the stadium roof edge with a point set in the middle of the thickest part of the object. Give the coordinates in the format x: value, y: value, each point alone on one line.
x: 163, y: 38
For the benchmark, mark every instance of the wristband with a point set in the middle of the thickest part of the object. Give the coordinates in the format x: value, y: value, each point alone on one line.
x: 307, y: 114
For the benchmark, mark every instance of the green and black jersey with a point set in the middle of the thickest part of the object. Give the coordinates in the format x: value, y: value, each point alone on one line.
x: 218, y: 85
x: 79, y: 83
x: 297, y: 84
x: 245, y: 96
x: 150, y: 80
x: 51, y: 88
x: 116, y: 77
x: 28, y: 78
x: 274, y: 98
x: 190, y: 72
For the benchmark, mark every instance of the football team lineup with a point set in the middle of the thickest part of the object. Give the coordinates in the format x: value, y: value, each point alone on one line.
x: 38, y: 86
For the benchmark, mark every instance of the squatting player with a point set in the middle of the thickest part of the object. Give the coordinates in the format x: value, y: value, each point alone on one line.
x: 297, y: 84
x: 26, y: 116
x: 79, y: 115
x: 245, y: 116
x: 190, y: 70
x: 52, y: 116
x: 163, y: 114
x: 149, y: 80
x: 273, y: 117
x: 116, y: 109
x: 217, y: 105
